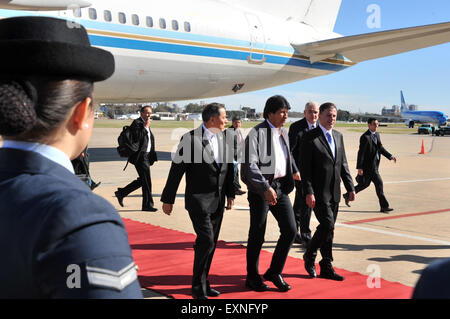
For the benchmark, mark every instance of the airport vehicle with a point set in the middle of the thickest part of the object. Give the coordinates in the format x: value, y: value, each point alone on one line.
x: 178, y: 50
x: 413, y: 117
x: 426, y: 129
x: 445, y: 130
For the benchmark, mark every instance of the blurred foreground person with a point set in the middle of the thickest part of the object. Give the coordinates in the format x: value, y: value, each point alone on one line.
x: 57, y: 238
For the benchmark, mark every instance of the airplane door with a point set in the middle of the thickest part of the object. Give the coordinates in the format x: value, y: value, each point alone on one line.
x: 257, y: 40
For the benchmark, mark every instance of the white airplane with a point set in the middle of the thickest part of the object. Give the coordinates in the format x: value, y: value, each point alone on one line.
x: 413, y: 117
x: 168, y: 50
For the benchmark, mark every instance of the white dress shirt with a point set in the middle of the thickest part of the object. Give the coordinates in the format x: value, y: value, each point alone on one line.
x: 149, y: 146
x: 332, y: 144
x: 280, y: 152
x: 212, y: 138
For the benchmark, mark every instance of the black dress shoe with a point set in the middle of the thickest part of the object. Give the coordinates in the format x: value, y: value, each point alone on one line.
x: 198, y: 293
x: 386, y: 209
x: 119, y: 197
x: 310, y: 267
x: 210, y: 292
x: 256, y: 285
x: 150, y: 209
x: 329, y: 273
x: 347, y: 202
x: 239, y: 192
x: 95, y: 185
x: 278, y: 281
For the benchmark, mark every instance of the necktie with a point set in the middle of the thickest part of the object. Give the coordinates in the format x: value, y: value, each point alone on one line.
x: 330, y: 142
x: 375, y: 140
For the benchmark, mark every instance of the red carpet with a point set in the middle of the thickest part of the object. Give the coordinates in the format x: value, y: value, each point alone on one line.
x: 165, y: 259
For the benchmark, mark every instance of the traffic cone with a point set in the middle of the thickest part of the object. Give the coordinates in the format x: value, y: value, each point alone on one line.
x: 422, y: 151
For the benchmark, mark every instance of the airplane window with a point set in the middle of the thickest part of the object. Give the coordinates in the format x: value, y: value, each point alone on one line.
x: 135, y: 19
x: 187, y: 27
x: 122, y: 18
x: 149, y: 21
x: 175, y: 25
x: 77, y: 12
x: 162, y: 23
x: 107, y: 15
x: 92, y: 14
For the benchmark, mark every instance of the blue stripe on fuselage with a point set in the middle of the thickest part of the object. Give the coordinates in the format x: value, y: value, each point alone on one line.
x: 134, y: 44
x: 125, y: 42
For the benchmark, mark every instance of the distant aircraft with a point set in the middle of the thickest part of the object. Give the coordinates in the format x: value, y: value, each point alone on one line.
x: 413, y: 117
x: 169, y: 50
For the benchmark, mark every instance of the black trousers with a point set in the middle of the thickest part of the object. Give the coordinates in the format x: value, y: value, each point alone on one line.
x: 375, y: 178
x: 322, y: 239
x: 284, y: 215
x: 207, y: 228
x: 302, y: 211
x: 144, y: 180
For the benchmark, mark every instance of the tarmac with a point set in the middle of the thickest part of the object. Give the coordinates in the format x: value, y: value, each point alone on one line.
x: 398, y: 245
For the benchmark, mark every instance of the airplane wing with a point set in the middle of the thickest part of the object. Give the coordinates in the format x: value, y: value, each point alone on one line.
x: 369, y: 46
x: 42, y: 5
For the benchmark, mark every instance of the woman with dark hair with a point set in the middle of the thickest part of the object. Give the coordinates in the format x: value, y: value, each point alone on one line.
x: 58, y: 239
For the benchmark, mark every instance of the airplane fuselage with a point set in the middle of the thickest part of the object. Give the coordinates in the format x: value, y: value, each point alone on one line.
x: 425, y: 117
x: 176, y: 50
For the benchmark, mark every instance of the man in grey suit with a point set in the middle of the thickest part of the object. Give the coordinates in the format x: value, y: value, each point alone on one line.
x: 209, y: 178
x: 269, y: 173
x: 322, y: 166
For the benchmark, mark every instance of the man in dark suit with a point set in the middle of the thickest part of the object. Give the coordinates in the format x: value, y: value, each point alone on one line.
x: 269, y: 172
x: 142, y: 160
x: 200, y: 155
x: 235, y: 137
x: 302, y: 212
x: 370, y: 148
x: 322, y: 166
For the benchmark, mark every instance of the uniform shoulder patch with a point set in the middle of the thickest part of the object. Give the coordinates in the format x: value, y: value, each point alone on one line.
x: 117, y: 280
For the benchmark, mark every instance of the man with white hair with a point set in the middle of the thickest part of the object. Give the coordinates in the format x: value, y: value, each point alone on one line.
x: 302, y: 211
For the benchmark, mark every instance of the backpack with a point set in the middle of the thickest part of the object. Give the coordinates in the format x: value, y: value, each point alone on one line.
x: 126, y: 146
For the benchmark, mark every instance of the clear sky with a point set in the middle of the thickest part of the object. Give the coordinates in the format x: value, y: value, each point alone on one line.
x: 423, y: 75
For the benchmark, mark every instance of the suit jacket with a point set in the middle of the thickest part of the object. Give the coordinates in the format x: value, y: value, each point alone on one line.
x: 257, y: 170
x: 296, y: 132
x: 140, y: 137
x: 321, y: 173
x: 236, y: 139
x: 49, y: 219
x: 367, y: 153
x: 207, y: 183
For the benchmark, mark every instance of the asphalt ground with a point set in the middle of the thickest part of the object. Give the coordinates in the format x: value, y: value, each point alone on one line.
x: 398, y: 245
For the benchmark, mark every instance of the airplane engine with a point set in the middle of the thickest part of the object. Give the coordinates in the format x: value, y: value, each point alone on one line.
x: 409, y: 123
x: 42, y: 5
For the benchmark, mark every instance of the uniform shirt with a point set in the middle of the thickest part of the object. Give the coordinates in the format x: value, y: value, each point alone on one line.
x: 47, y: 151
x: 280, y: 152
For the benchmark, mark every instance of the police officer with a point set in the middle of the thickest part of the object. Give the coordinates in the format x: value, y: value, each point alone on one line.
x: 59, y: 240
